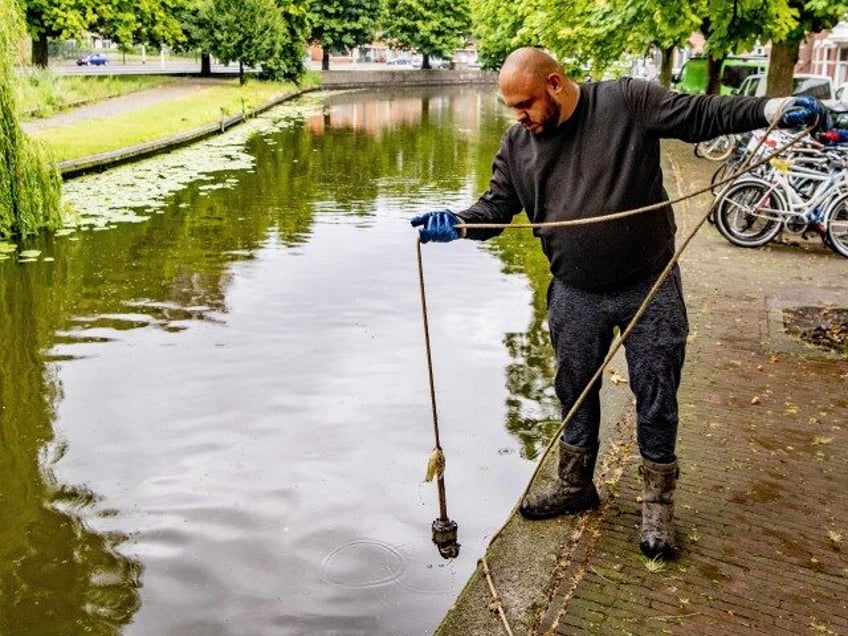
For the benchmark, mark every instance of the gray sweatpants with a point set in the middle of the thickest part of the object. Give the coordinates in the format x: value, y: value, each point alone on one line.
x: 581, y: 323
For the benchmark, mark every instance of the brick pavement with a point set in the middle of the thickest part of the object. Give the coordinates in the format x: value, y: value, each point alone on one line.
x: 762, y: 501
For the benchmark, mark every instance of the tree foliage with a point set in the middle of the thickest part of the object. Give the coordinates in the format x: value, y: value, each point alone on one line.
x: 265, y: 34
x: 30, y: 186
x: 56, y: 19
x: 585, y: 33
x: 288, y: 57
x: 497, y: 29
x: 126, y: 22
x: 431, y: 27
x: 795, y: 20
x: 154, y: 22
x: 340, y: 25
x: 598, y: 33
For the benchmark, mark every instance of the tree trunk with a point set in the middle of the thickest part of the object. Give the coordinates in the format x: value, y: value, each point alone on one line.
x: 714, y: 75
x: 325, y: 60
x: 784, y: 56
x: 666, y: 66
x: 425, y: 61
x: 241, y: 72
x: 205, y: 65
x: 39, y: 51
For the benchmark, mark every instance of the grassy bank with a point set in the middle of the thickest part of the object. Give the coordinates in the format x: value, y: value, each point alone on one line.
x: 42, y: 92
x: 207, y: 104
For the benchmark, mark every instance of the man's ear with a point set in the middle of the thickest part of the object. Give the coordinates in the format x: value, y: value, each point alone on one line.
x: 555, y: 82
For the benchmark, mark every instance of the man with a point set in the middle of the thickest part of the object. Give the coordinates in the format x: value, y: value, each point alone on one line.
x: 587, y: 150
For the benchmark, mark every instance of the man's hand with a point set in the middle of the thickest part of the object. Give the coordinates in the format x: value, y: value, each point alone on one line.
x: 437, y: 226
x: 805, y: 111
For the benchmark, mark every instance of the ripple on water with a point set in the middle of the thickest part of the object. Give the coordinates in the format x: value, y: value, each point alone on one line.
x: 363, y: 563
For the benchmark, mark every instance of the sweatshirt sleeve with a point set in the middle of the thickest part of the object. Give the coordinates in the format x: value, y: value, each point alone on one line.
x: 500, y: 202
x: 692, y: 118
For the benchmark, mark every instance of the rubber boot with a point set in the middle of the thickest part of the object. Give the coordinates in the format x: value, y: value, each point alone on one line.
x: 657, y: 535
x: 574, y: 490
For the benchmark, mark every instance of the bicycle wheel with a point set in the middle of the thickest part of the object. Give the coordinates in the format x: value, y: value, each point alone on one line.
x: 748, y: 213
x: 836, y: 227
x: 716, y: 149
x: 722, y: 172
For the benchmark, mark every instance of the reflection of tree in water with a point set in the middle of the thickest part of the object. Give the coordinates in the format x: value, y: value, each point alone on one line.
x: 57, y: 576
x: 533, y: 411
x: 364, y: 146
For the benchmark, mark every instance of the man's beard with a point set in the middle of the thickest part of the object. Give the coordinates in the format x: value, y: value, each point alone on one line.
x: 550, y: 120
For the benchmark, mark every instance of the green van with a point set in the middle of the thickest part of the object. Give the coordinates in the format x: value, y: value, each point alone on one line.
x: 693, y: 76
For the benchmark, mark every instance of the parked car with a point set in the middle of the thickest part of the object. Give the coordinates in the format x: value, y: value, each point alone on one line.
x: 841, y: 92
x: 435, y: 63
x: 399, y: 61
x: 692, y: 77
x: 820, y: 86
x: 93, y: 60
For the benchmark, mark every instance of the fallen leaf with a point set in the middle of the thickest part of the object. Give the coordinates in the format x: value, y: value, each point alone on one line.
x: 617, y: 379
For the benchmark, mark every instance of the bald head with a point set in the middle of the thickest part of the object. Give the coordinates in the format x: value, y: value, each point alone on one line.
x: 529, y: 63
x: 534, y: 86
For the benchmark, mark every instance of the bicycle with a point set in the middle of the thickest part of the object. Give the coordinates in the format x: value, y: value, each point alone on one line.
x: 794, y: 196
x: 716, y: 149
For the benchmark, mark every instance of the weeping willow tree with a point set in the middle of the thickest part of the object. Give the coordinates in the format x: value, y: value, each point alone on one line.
x: 30, y: 185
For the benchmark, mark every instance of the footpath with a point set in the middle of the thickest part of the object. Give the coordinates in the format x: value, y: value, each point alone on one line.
x: 762, y: 499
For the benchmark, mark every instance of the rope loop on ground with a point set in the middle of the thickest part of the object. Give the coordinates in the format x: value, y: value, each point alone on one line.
x: 496, y: 605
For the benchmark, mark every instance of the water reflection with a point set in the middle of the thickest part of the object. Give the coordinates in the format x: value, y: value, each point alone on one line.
x: 57, y: 576
x: 232, y: 392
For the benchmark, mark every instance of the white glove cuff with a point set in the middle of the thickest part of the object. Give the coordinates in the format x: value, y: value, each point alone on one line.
x: 775, y: 108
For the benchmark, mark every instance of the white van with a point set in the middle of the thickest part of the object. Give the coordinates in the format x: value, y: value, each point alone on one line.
x: 820, y: 86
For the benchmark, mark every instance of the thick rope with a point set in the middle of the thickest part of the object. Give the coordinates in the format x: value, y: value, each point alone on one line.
x: 496, y: 605
x: 747, y: 166
x: 436, y: 465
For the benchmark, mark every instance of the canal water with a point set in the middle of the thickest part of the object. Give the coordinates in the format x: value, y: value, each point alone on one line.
x: 214, y: 405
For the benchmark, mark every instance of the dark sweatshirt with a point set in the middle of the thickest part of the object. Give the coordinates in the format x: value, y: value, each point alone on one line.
x: 605, y: 158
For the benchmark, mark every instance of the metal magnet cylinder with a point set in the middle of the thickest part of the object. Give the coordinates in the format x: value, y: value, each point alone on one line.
x: 444, y: 536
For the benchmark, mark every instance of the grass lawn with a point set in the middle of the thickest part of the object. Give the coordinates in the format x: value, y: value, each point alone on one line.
x: 203, y: 106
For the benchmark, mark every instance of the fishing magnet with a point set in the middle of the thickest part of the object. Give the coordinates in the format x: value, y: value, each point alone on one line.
x: 444, y: 536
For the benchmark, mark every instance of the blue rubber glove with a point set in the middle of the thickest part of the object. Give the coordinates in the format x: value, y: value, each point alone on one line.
x: 437, y: 226
x: 805, y: 111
